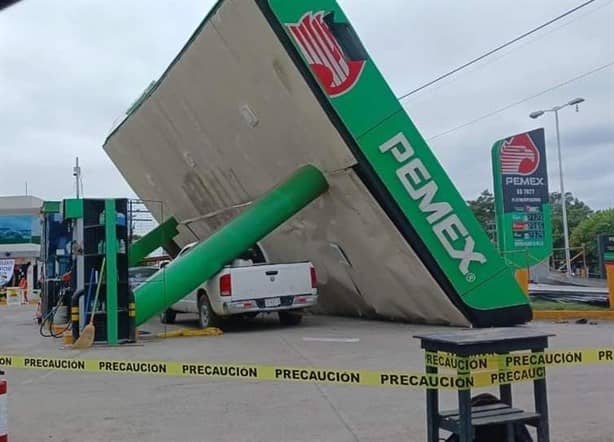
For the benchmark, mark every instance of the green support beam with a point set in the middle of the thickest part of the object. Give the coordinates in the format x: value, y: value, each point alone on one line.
x: 158, y: 237
x: 184, y: 275
x: 110, y: 221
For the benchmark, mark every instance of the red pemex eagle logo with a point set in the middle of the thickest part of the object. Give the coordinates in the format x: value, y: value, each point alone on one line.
x: 336, y: 72
x: 519, y: 156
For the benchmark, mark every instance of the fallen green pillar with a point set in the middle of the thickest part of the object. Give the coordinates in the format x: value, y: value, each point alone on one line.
x: 184, y: 275
x: 158, y: 237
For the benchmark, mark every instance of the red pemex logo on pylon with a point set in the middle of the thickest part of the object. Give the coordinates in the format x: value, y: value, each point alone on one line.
x: 519, y: 156
x: 334, y: 69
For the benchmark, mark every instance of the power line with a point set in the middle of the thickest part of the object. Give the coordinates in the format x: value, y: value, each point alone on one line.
x: 543, y: 34
x: 497, y: 49
x: 469, y: 123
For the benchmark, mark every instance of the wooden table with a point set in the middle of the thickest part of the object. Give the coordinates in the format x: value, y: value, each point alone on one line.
x: 466, y: 343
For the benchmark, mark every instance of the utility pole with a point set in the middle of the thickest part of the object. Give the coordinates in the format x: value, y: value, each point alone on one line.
x: 76, y: 172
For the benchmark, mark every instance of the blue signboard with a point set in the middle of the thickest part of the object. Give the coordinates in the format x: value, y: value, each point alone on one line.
x: 19, y: 229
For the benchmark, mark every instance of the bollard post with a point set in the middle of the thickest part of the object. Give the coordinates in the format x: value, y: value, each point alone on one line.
x: 522, y: 276
x: 4, y: 412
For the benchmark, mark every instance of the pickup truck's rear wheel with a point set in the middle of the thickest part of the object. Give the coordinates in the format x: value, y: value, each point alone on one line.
x: 206, y: 315
x: 168, y: 316
x: 290, y: 318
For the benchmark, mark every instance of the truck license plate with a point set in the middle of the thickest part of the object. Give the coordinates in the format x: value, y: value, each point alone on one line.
x: 272, y: 302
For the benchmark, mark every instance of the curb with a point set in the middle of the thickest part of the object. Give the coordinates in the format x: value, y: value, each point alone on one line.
x: 573, y: 314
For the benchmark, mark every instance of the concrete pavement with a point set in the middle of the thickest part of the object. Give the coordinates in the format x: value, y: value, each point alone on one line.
x: 97, y: 407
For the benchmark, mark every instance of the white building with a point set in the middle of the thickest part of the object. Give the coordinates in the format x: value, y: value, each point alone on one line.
x: 20, y: 230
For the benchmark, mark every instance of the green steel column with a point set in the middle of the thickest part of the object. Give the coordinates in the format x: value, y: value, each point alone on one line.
x: 110, y: 221
x: 184, y: 275
x: 150, y: 242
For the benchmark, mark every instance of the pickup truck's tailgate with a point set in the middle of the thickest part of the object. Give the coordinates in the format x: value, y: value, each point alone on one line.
x: 265, y: 281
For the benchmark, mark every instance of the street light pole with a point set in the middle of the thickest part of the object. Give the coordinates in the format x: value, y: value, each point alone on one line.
x: 555, y: 110
x: 563, y: 199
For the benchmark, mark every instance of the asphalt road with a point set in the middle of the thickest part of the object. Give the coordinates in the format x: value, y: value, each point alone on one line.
x: 56, y: 406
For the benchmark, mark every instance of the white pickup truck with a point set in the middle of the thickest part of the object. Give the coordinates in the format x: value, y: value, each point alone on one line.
x: 250, y: 286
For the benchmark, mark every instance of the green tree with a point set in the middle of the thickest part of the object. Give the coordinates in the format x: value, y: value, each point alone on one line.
x: 586, y: 232
x: 577, y: 211
x: 484, y: 210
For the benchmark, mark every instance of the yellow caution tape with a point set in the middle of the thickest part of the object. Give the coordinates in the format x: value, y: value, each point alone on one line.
x: 533, y: 366
x: 395, y: 379
x: 557, y: 358
x: 520, y: 359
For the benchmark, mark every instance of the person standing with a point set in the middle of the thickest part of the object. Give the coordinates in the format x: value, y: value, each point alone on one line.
x: 23, y: 286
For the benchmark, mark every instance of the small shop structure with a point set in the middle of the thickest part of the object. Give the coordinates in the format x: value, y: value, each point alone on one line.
x: 20, y: 238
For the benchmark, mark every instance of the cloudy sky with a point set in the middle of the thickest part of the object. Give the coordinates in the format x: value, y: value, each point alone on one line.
x: 69, y: 69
